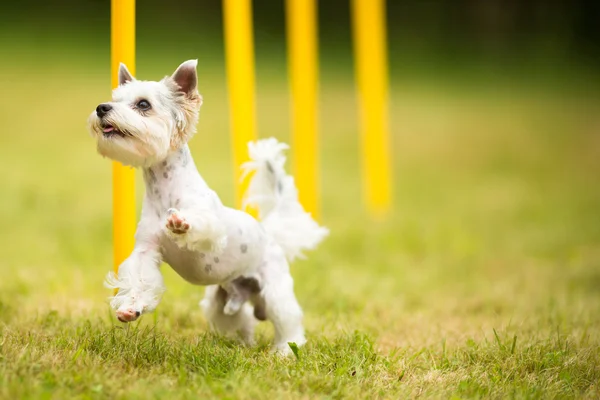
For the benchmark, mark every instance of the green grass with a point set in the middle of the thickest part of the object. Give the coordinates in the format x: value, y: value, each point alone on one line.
x: 484, y: 282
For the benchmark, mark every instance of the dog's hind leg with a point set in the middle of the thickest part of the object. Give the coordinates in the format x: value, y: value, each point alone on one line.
x: 241, y: 323
x: 281, y: 307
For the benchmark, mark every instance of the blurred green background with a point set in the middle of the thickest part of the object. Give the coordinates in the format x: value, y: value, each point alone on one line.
x: 494, y: 111
x: 495, y: 125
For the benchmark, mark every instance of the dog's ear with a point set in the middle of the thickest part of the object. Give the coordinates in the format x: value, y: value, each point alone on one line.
x: 124, y: 75
x: 186, y: 78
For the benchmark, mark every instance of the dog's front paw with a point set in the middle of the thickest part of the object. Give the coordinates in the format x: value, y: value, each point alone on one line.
x: 176, y: 223
x: 127, y: 315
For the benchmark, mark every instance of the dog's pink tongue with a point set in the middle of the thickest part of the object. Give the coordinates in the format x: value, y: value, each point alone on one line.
x: 108, y: 129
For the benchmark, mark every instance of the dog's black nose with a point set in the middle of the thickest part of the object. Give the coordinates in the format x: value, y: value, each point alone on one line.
x: 137, y: 313
x: 103, y: 109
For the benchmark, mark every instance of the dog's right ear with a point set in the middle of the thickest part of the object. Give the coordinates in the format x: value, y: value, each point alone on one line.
x: 124, y: 75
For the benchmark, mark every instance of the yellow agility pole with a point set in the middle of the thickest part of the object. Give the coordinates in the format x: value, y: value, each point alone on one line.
x: 369, y: 32
x: 303, y: 71
x: 239, y: 58
x: 122, y: 49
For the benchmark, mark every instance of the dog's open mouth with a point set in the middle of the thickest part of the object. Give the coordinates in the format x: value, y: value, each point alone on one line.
x: 110, y: 130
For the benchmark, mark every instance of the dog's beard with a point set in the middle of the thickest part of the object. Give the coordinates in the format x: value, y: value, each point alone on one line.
x: 131, y: 141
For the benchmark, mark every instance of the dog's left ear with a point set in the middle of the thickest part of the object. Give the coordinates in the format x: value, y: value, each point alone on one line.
x: 186, y: 77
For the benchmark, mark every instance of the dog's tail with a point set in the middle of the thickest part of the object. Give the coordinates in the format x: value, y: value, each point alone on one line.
x: 273, y: 192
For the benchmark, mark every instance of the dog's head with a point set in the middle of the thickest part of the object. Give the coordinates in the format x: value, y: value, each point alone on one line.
x: 146, y: 120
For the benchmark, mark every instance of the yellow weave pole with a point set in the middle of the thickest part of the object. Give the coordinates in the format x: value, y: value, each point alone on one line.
x: 239, y: 58
x: 122, y: 49
x: 303, y: 70
x: 369, y: 34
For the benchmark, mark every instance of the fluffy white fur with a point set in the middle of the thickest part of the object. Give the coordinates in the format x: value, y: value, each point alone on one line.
x: 274, y: 193
x: 243, y: 262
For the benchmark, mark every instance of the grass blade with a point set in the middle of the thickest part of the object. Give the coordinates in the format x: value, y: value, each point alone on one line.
x: 514, y: 345
x: 294, y: 348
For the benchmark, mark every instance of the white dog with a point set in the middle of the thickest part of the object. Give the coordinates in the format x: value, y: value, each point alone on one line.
x: 183, y: 222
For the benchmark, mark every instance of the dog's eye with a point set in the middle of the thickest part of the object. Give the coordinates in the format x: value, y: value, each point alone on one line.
x: 143, y: 105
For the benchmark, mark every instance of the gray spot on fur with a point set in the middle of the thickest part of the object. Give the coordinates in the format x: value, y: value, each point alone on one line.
x: 151, y: 176
x: 202, y: 255
x: 149, y: 179
x: 221, y: 294
x: 184, y: 158
x: 279, y: 187
x: 240, y: 231
x: 260, y: 312
x: 217, y: 260
x: 244, y: 248
x: 270, y: 167
x: 208, y: 268
x: 164, y: 164
x: 165, y: 175
x: 174, y: 115
x: 241, y: 290
x: 177, y: 202
x: 250, y: 285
